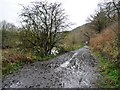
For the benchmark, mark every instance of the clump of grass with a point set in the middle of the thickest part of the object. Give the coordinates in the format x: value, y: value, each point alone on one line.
x: 110, y: 73
x: 11, y: 68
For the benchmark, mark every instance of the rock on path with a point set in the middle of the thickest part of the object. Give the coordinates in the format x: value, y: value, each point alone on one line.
x: 76, y: 69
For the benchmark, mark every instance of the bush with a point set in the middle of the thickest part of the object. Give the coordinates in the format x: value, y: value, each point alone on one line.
x: 105, y: 42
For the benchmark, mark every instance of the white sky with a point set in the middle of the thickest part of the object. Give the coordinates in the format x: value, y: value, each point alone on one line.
x: 77, y: 10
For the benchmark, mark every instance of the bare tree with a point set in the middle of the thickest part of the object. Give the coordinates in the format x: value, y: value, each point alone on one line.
x: 112, y: 9
x: 99, y: 20
x: 43, y: 24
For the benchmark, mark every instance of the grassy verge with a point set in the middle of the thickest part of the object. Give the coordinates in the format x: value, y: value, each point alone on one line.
x: 11, y: 68
x: 12, y: 61
x: 109, y: 71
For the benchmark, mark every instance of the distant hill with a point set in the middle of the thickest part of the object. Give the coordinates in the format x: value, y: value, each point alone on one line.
x: 79, y: 35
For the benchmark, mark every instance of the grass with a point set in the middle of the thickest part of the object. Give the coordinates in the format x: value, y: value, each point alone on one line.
x: 12, y: 61
x: 110, y: 73
x: 11, y: 68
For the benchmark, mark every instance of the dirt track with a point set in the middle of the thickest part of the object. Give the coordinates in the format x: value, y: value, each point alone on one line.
x: 76, y: 69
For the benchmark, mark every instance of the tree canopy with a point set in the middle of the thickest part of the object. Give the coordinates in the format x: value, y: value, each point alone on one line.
x: 43, y: 23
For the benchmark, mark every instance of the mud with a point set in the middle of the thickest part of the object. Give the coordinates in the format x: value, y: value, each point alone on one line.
x: 75, y: 69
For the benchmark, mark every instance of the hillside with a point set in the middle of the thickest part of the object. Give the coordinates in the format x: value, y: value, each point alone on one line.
x: 78, y: 36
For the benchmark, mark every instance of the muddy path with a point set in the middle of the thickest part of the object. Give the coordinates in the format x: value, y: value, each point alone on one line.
x: 75, y: 69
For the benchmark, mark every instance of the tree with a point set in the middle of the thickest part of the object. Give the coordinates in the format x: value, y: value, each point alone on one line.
x: 7, y: 26
x: 99, y: 20
x: 43, y: 23
x: 112, y: 9
x: 8, y: 32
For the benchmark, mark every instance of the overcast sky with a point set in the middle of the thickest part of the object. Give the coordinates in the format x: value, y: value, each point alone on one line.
x: 77, y: 10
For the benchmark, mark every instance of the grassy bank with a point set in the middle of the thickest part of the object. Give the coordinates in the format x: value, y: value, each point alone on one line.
x: 12, y: 60
x: 109, y: 71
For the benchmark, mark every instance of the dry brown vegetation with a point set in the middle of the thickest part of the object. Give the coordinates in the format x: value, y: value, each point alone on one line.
x: 105, y: 46
x: 106, y: 41
x: 13, y: 60
x: 11, y: 57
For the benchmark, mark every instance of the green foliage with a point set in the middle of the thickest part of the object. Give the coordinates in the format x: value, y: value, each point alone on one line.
x: 38, y: 58
x: 29, y: 43
x: 9, y: 39
x: 11, y: 68
x: 110, y: 73
x: 9, y: 35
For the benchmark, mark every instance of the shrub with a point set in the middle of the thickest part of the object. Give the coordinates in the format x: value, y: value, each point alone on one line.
x: 105, y: 42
